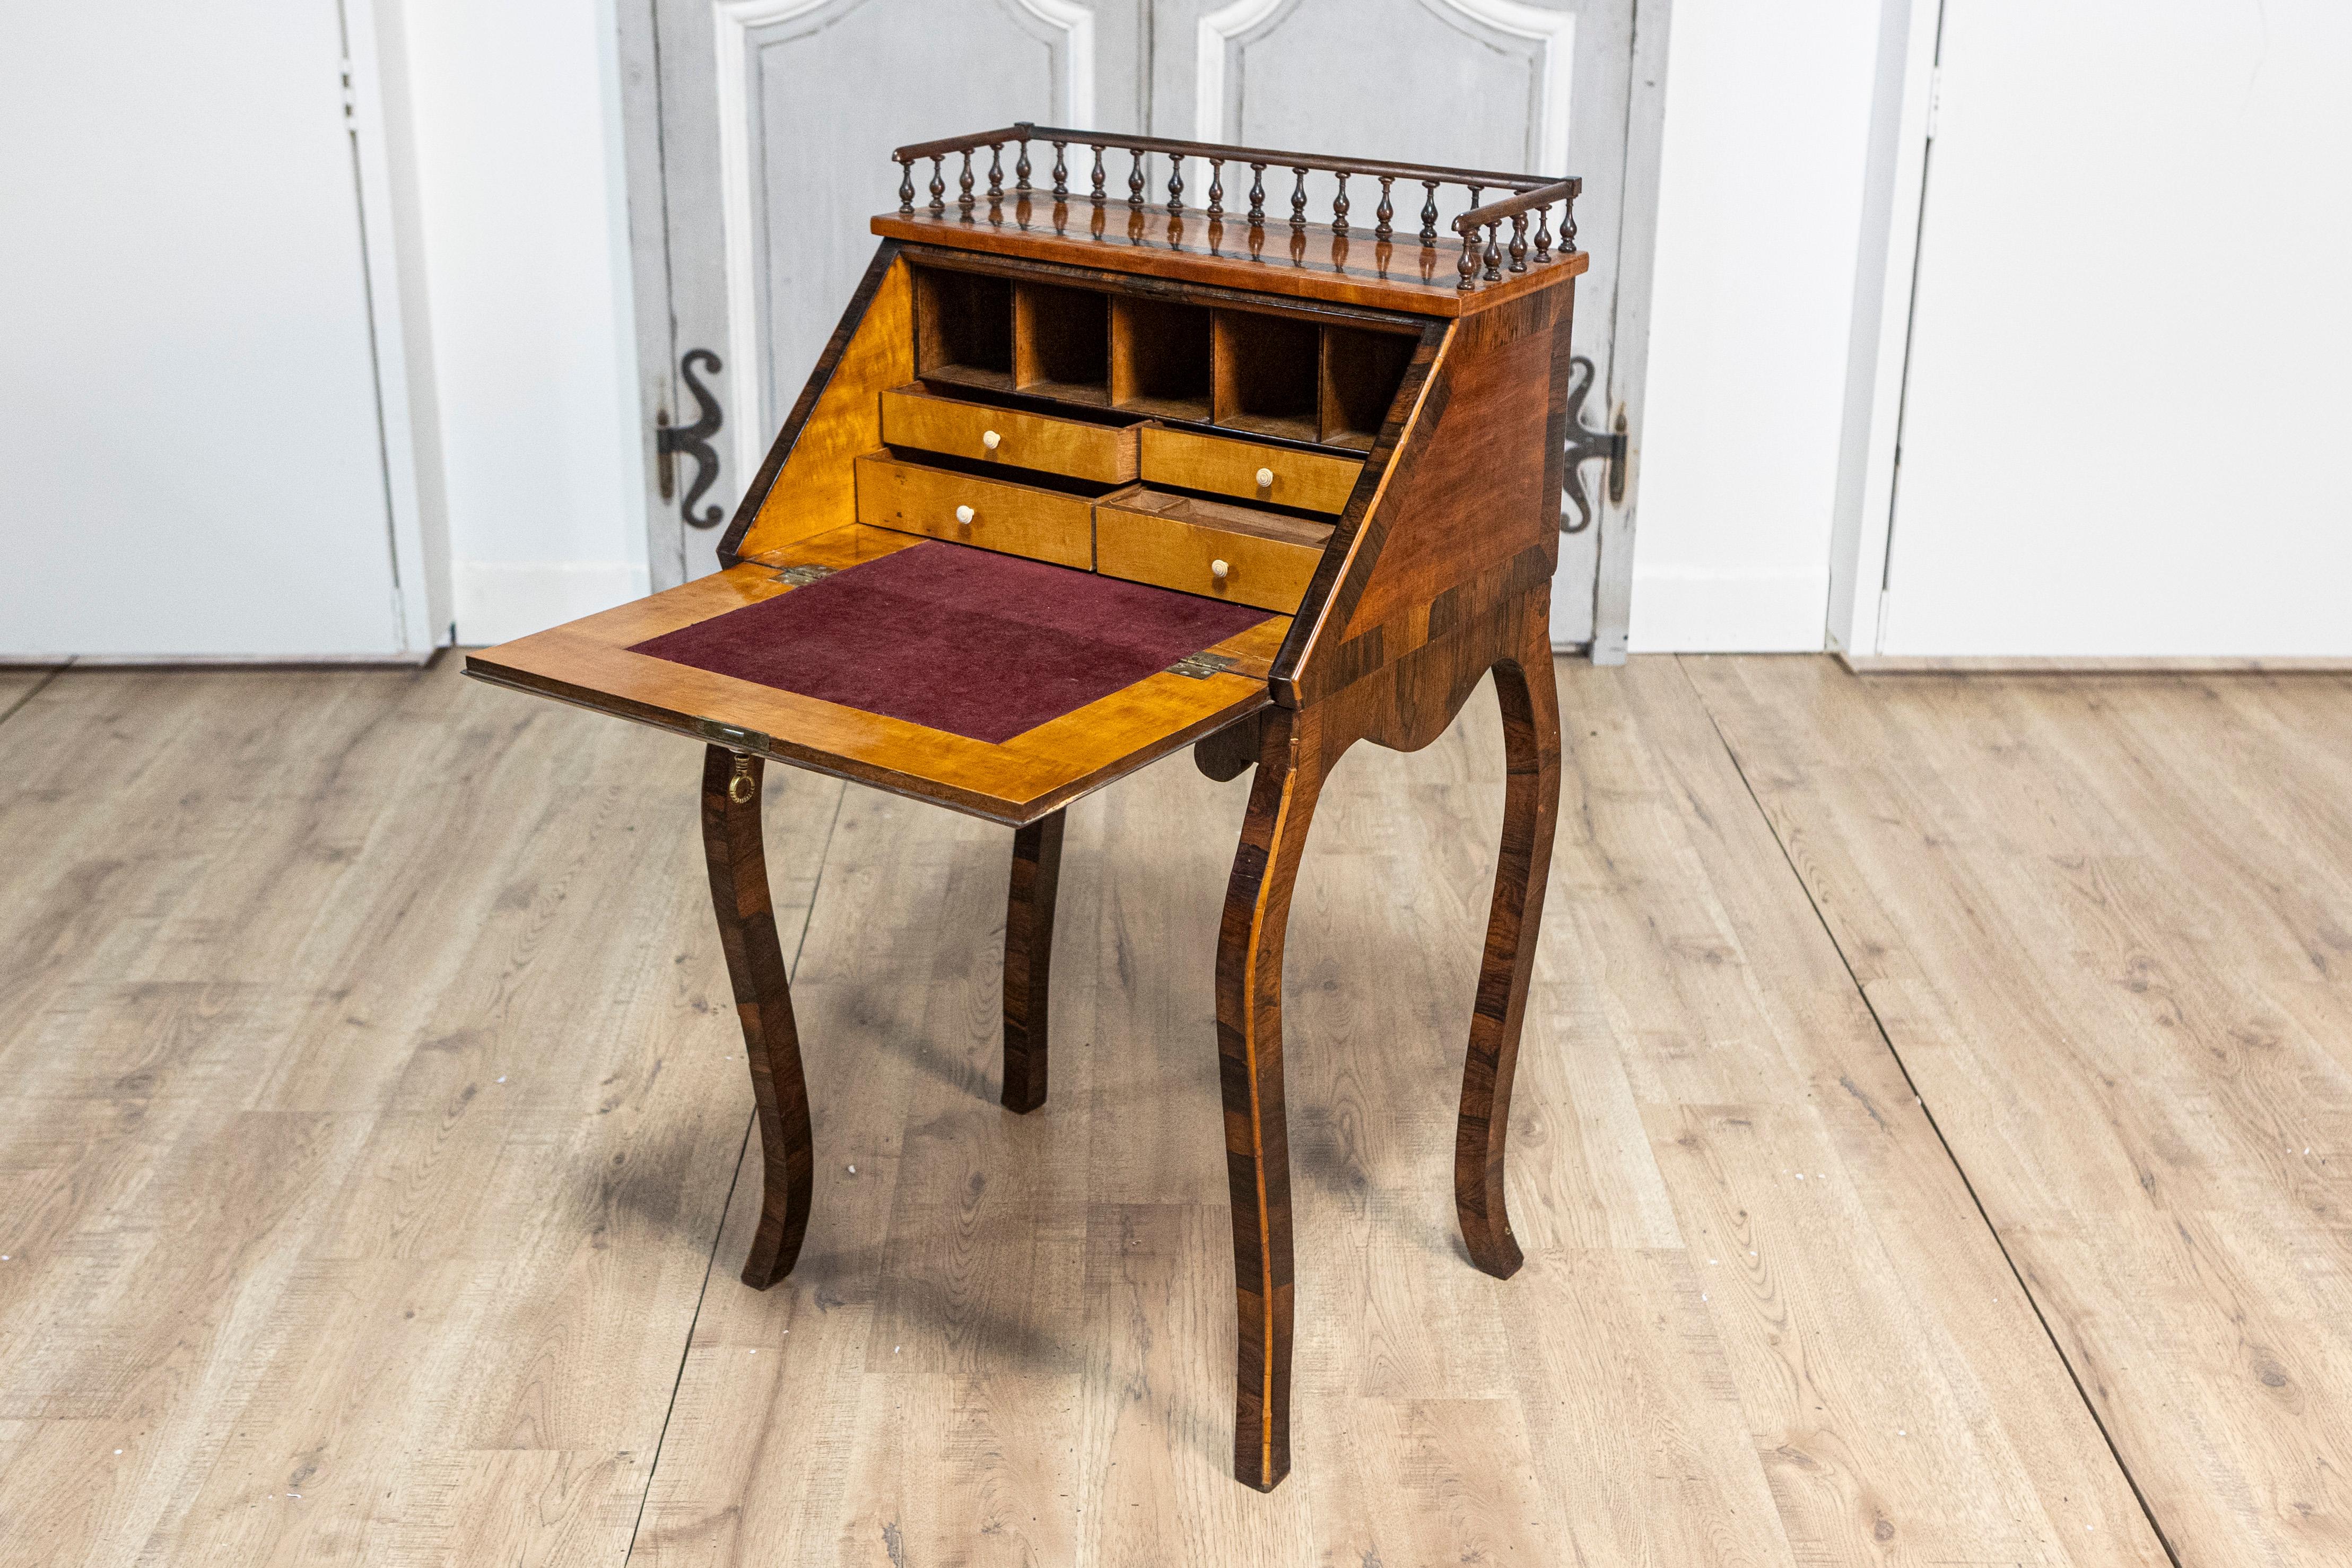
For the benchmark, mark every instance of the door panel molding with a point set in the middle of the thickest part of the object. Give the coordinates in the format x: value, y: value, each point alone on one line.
x: 1254, y: 62
x: 1219, y: 31
x: 733, y: 24
x: 1224, y: 32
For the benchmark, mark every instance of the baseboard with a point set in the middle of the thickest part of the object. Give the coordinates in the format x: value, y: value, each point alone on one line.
x: 2008, y: 664
x: 497, y: 601
x: 220, y: 660
x: 1711, y: 612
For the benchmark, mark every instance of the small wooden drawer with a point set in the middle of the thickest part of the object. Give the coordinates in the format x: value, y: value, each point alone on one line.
x: 914, y: 416
x: 1276, y: 475
x: 1014, y: 520
x: 1180, y: 542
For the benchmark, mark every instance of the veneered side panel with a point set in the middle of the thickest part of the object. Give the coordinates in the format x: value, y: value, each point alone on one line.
x: 1355, y: 543
x: 808, y: 485
x: 1476, y: 498
x: 1467, y: 514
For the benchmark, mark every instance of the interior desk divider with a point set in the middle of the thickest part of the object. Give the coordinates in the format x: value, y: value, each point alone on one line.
x: 1262, y: 373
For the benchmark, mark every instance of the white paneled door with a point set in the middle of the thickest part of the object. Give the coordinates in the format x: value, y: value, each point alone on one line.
x: 759, y: 132
x: 198, y: 460
x: 2126, y: 383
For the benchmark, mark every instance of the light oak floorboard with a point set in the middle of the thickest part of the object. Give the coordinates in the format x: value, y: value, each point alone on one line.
x: 277, y: 1227
x: 371, y: 1099
x: 2107, y: 923
x: 1761, y: 1322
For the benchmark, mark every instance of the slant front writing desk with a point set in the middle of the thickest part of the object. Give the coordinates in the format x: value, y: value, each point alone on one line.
x: 1083, y: 478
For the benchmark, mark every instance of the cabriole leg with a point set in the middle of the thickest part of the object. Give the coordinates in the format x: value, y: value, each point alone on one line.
x: 763, y: 1001
x: 1249, y: 1063
x: 1530, y: 706
x: 1029, y: 959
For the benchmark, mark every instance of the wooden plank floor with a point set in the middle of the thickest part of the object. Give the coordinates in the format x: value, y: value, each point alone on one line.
x: 372, y: 1129
x: 2107, y: 923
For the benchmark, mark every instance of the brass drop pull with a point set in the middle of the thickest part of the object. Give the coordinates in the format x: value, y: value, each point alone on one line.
x: 740, y: 788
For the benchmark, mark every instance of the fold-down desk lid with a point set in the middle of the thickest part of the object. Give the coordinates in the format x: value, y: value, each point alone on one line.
x: 983, y: 687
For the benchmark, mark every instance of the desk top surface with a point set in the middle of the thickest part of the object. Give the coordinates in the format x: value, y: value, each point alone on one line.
x: 596, y: 662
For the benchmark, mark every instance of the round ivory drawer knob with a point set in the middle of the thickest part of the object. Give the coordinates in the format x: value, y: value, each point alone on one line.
x: 1265, y: 479
x: 964, y: 514
x: 991, y: 439
x: 1218, y: 569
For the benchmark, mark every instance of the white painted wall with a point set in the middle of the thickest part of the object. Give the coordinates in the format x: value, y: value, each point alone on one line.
x: 1767, y: 111
x: 515, y: 109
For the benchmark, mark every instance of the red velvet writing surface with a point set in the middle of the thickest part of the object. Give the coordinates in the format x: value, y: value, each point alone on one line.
x: 976, y: 644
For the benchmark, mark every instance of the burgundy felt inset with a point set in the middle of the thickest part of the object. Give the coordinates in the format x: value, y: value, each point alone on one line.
x: 968, y: 641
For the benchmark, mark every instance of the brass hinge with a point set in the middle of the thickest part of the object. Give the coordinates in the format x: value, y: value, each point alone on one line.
x: 1200, y: 666
x: 730, y: 735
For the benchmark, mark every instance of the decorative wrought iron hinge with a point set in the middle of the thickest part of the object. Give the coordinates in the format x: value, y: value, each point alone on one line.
x: 694, y: 440
x: 1586, y: 444
x: 1200, y: 666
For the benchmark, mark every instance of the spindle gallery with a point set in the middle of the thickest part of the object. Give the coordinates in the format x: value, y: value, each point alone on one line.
x: 1080, y: 481
x: 1482, y: 259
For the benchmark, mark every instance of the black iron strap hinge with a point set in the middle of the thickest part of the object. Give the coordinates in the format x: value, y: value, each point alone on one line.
x: 693, y: 440
x: 1586, y: 444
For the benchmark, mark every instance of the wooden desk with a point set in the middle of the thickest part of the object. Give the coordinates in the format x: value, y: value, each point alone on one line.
x: 1083, y: 478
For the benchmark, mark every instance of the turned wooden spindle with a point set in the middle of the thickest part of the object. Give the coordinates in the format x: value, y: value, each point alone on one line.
x: 1175, y: 182
x: 1429, y: 214
x: 1061, y: 171
x: 1518, y: 242
x: 1567, y: 227
x: 1298, y: 200
x: 1386, y: 210
x: 995, y: 173
x: 1339, y: 205
x: 1469, y: 262
x: 1493, y: 256
x: 1135, y: 179
x: 1216, y: 187
x: 1021, y: 169
x: 906, y: 186
x: 1543, y: 234
x: 1257, y: 194
x: 1098, y: 172
x: 938, y: 187
x: 963, y: 185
